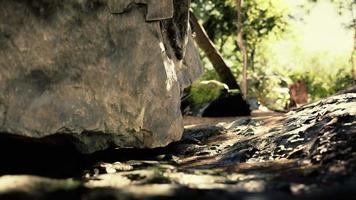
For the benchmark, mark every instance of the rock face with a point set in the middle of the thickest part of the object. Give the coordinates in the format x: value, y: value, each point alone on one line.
x: 102, y: 73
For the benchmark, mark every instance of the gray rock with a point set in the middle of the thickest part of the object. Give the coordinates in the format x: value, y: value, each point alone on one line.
x: 104, y: 73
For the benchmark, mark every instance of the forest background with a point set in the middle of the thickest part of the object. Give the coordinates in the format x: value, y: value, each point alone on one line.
x: 286, y: 41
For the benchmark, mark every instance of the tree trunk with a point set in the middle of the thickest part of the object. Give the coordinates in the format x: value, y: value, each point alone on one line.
x: 205, y: 44
x: 241, y: 44
x: 353, y: 58
x: 353, y: 53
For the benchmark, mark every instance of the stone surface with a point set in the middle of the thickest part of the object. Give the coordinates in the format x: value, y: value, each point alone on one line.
x: 309, y: 153
x: 102, y: 73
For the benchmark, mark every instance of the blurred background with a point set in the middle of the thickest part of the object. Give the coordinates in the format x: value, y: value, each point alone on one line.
x: 296, y: 51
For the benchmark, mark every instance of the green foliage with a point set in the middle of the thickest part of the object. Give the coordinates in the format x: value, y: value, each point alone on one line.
x: 343, y: 81
x: 261, y: 18
x: 210, y: 74
x: 265, y: 22
x: 323, y: 73
x: 271, y: 90
x: 317, y: 86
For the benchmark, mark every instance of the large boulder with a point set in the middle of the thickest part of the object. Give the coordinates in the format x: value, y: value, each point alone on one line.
x: 99, y: 73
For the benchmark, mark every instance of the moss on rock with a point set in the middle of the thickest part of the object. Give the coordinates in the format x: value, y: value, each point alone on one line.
x: 207, y: 91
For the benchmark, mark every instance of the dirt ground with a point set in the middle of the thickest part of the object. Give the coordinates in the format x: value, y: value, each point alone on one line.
x: 308, y: 153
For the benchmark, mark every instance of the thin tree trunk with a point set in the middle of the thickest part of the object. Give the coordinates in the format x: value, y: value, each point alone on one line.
x: 353, y: 58
x: 241, y: 44
x: 219, y: 64
x: 353, y: 53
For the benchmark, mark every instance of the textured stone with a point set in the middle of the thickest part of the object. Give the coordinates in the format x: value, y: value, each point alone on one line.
x: 103, y: 73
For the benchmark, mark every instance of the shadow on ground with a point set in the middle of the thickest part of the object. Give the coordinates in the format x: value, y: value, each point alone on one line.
x: 309, y: 153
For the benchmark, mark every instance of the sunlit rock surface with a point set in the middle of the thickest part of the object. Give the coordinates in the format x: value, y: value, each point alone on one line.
x: 98, y: 73
x: 309, y: 153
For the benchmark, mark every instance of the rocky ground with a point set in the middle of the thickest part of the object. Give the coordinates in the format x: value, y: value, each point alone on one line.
x: 308, y: 153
